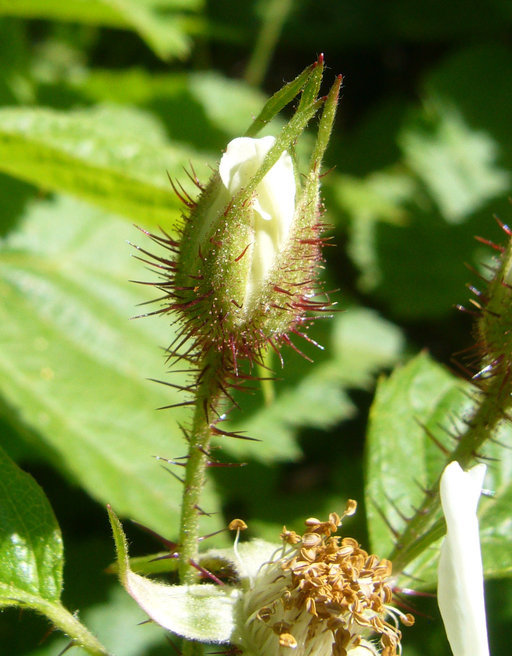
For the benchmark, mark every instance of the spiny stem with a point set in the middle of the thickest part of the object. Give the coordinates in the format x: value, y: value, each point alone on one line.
x: 425, y: 527
x: 208, y: 395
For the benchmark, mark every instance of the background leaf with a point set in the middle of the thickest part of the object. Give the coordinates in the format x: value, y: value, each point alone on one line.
x: 418, y: 399
x: 95, y: 155
x: 442, y: 77
x: 458, y: 165
x: 74, y: 367
x: 165, y: 34
x: 359, y: 344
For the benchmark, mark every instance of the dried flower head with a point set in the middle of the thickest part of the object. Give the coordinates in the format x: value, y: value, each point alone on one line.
x: 317, y: 594
x: 323, y: 595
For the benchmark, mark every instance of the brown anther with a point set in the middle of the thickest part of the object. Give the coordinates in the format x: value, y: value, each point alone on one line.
x: 345, y: 550
x: 407, y: 619
x: 287, y: 640
x: 338, y: 587
x: 335, y: 521
x: 310, y: 540
x: 280, y: 627
x: 290, y: 537
x: 325, y: 528
x: 237, y: 525
x: 311, y: 606
x: 312, y: 521
x: 265, y: 613
x: 350, y: 508
x: 308, y: 554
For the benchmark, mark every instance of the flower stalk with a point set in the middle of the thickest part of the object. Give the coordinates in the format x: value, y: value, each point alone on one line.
x: 208, y: 396
x: 243, y: 273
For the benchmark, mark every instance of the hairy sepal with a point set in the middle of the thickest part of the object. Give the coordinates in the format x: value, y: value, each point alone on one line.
x: 202, y: 612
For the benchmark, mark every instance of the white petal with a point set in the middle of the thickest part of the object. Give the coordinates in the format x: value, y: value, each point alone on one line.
x: 248, y: 558
x: 275, y: 195
x: 460, y: 591
x: 273, y: 202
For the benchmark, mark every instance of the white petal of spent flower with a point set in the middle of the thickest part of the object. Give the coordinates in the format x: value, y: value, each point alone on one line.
x: 460, y: 591
x: 273, y: 202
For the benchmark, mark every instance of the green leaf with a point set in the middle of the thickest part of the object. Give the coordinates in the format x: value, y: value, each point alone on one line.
x: 400, y: 458
x: 203, y: 109
x: 457, y: 164
x: 203, y: 612
x: 380, y: 197
x: 481, y: 104
x: 31, y: 554
x: 165, y: 34
x: 74, y: 369
x: 416, y: 400
x: 363, y: 344
x: 114, y: 158
x: 494, y: 510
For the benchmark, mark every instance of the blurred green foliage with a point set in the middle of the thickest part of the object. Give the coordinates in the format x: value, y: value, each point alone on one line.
x: 99, y: 101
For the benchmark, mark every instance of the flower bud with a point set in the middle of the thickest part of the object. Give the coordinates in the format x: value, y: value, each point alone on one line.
x: 246, y: 270
x: 233, y: 248
x: 243, y: 274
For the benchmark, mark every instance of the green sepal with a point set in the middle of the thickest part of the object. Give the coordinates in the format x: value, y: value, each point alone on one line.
x: 326, y: 124
x: 282, y: 98
x: 205, y: 613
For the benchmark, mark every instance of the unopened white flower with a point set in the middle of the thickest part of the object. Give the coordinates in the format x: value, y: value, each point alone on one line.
x: 242, y: 272
x: 273, y: 202
x: 460, y: 590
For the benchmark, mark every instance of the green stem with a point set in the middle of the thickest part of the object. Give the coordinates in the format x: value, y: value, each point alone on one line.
x: 208, y: 395
x: 425, y: 527
x: 267, y: 382
x: 207, y: 400
x: 275, y: 16
x: 63, y: 620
